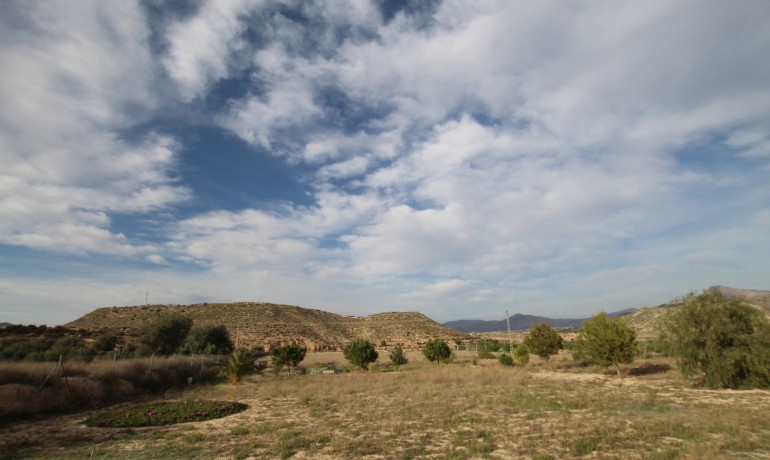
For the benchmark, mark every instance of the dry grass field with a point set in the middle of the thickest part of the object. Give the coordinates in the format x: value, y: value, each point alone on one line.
x: 454, y: 411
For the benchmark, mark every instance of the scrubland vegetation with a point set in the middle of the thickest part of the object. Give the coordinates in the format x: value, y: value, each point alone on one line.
x: 662, y: 400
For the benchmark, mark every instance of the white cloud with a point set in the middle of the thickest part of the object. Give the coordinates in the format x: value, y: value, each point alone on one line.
x: 199, y: 47
x: 63, y: 99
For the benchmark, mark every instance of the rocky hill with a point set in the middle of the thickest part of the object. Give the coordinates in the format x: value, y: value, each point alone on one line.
x: 263, y: 324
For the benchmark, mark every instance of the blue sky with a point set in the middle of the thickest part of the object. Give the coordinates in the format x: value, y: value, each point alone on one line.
x: 457, y: 158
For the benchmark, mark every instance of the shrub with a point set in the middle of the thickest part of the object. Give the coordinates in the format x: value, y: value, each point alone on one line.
x: 486, y: 354
x: 288, y: 355
x: 360, y: 353
x: 505, y: 360
x: 437, y: 350
x: 239, y: 365
x: 543, y: 341
x: 726, y: 339
x: 521, y: 354
x: 606, y: 342
x: 165, y: 333
x: 211, y: 339
x: 398, y: 357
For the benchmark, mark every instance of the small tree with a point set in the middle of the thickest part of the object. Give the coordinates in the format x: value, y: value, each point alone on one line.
x: 521, y: 354
x: 360, y: 353
x: 165, y: 333
x: 398, y: 357
x: 543, y: 341
x: 436, y: 350
x: 606, y: 342
x: 288, y: 355
x: 208, y: 339
x: 725, y: 339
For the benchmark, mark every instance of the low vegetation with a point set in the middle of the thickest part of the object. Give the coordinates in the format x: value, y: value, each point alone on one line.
x: 543, y: 341
x: 606, y: 342
x: 437, y: 351
x: 724, y: 342
x: 360, y: 353
x: 164, y: 413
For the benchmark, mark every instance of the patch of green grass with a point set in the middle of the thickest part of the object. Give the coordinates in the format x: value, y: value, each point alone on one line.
x: 239, y: 430
x: 164, y: 413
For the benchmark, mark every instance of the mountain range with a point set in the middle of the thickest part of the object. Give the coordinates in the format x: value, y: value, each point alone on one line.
x: 644, y: 319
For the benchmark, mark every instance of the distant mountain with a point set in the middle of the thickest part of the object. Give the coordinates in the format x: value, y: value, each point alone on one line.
x: 5, y: 324
x: 519, y: 322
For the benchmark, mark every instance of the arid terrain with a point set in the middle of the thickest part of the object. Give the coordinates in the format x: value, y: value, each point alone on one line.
x: 457, y: 411
x: 264, y: 324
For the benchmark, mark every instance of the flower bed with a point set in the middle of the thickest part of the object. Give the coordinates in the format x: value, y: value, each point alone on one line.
x: 165, y: 413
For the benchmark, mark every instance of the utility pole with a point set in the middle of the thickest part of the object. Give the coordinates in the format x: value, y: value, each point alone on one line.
x: 508, y: 322
x: 146, y: 298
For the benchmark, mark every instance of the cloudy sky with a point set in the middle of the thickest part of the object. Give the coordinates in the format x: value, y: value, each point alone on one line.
x: 457, y: 158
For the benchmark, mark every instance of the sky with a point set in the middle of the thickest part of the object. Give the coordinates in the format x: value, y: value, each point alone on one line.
x: 456, y: 158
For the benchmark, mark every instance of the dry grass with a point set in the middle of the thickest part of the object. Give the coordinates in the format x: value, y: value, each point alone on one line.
x: 30, y: 389
x: 449, y: 411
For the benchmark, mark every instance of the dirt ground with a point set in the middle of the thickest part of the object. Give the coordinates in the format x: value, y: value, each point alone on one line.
x: 459, y: 410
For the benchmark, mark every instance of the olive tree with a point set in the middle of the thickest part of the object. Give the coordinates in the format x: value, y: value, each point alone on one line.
x: 165, y: 333
x: 543, y: 341
x: 360, y: 353
x: 725, y: 340
x: 606, y: 342
x: 436, y: 350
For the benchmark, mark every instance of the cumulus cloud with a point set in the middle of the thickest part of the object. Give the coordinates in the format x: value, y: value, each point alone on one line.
x: 63, y: 101
x: 489, y: 152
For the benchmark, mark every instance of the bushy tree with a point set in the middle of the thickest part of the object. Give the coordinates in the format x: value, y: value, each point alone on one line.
x: 398, y: 357
x: 436, y: 350
x: 165, y: 333
x: 289, y: 355
x: 725, y: 339
x: 360, y: 353
x: 105, y: 342
x: 521, y: 354
x: 208, y: 339
x: 543, y: 341
x: 606, y: 342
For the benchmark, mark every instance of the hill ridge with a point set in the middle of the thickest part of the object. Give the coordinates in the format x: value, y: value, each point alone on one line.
x: 266, y: 324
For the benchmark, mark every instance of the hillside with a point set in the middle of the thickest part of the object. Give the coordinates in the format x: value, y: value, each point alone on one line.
x: 647, y: 321
x: 263, y: 324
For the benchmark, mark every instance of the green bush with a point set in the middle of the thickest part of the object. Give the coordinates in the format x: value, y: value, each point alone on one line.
x: 210, y: 339
x: 606, y: 342
x: 165, y: 333
x: 505, y: 360
x: 360, y: 353
x: 398, y: 357
x: 289, y: 355
x: 521, y: 354
x: 238, y: 366
x: 725, y: 339
x: 436, y: 350
x: 486, y: 354
x: 543, y: 341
